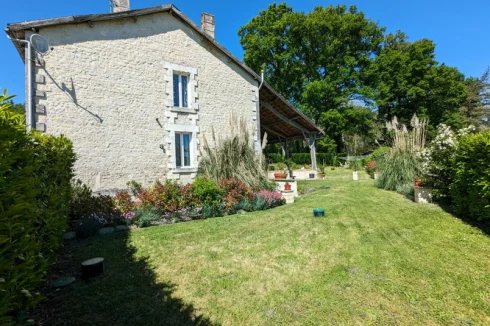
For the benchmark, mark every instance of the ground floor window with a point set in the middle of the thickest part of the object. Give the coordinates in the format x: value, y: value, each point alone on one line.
x: 183, y: 149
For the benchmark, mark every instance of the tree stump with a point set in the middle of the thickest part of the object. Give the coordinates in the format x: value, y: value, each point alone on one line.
x: 92, y: 267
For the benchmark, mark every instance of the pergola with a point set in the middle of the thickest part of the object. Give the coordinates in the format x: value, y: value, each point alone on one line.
x: 283, y: 122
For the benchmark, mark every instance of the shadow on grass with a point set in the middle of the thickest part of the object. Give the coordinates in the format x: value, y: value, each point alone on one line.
x: 483, y: 226
x: 127, y: 293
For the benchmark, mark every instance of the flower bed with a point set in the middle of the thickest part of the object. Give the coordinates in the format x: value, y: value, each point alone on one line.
x: 168, y: 202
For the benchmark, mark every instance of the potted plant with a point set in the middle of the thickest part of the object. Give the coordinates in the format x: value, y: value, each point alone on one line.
x: 287, y: 186
x: 417, y: 182
x: 322, y: 172
x: 281, y: 173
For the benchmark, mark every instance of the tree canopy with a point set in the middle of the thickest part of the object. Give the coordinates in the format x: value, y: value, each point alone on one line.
x: 346, y: 74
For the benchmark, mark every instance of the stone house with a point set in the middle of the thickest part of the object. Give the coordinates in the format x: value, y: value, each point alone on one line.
x: 136, y: 91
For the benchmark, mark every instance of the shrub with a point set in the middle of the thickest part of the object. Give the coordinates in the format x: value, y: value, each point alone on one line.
x: 471, y: 187
x: 213, y: 210
x: 145, y: 215
x: 89, y: 225
x: 207, y: 191
x: 169, y: 197
x: 35, y: 173
x: 271, y: 199
x: 84, y: 203
x: 123, y: 202
x: 275, y: 158
x: 234, y: 192
x: 134, y: 187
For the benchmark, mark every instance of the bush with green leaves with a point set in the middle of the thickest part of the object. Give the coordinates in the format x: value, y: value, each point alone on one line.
x: 35, y: 173
x: 471, y: 186
x: 84, y: 203
x: 207, y: 191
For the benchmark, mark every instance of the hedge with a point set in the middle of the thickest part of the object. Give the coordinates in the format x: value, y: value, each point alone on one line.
x: 305, y: 158
x: 471, y: 186
x: 35, y: 174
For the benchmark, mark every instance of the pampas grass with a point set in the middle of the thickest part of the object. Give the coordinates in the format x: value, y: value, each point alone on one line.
x: 233, y: 157
x: 400, y: 165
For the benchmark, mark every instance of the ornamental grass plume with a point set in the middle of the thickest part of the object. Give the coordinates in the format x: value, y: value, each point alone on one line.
x: 402, y: 163
x: 233, y: 157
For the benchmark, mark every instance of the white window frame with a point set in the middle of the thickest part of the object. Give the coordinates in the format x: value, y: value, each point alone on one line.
x: 181, y: 98
x: 192, y: 96
x: 182, y: 150
x: 193, y: 130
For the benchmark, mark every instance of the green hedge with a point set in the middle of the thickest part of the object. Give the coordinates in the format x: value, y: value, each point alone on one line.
x: 35, y: 173
x: 471, y: 185
x: 305, y: 158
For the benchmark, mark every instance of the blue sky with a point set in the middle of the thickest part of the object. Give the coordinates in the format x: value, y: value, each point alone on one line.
x: 460, y: 29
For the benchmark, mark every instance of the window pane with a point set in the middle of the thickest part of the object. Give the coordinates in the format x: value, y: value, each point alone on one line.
x: 187, y: 149
x: 178, y: 151
x: 176, y: 90
x: 184, y: 91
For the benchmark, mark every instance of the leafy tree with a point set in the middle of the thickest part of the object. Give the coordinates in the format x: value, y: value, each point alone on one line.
x: 316, y: 59
x: 476, y: 107
x: 410, y: 81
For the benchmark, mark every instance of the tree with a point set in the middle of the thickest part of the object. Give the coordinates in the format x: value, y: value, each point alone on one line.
x: 476, y: 107
x: 410, y: 81
x: 317, y: 60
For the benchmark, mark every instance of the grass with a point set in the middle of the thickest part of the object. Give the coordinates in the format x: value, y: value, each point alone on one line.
x: 377, y: 258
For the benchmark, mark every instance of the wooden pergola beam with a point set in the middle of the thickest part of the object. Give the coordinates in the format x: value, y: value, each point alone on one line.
x: 277, y: 133
x: 285, y: 119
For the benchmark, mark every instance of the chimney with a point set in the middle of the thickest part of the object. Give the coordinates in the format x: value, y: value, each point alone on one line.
x: 119, y: 5
x: 207, y: 24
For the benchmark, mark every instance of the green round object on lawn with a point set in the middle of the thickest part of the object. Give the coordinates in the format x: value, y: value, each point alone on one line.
x: 318, y: 212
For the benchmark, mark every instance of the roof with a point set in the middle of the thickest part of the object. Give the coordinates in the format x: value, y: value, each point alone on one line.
x: 278, y: 117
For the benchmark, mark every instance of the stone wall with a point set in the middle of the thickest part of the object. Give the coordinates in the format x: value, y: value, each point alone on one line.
x: 105, y: 85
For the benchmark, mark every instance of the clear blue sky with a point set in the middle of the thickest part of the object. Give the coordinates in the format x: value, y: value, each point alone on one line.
x: 461, y: 29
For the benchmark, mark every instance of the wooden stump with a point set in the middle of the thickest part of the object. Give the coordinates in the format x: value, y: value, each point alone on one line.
x: 93, y: 267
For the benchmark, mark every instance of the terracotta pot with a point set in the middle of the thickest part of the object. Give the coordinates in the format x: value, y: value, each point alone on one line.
x: 279, y: 175
x: 322, y: 175
x: 287, y: 187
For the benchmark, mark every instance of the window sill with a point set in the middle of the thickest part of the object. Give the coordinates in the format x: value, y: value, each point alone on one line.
x: 183, y: 110
x: 184, y: 170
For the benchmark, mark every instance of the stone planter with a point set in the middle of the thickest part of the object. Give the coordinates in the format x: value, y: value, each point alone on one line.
x: 376, y: 174
x: 355, y: 175
x: 423, y: 195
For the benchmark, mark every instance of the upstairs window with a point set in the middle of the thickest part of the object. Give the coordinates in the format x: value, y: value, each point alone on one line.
x: 182, y: 150
x: 180, y: 90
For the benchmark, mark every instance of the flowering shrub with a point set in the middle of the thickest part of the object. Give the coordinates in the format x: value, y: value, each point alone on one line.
x: 234, y: 192
x: 438, y: 166
x: 271, y: 198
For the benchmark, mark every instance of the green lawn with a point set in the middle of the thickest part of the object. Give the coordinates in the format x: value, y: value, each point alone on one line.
x: 377, y: 258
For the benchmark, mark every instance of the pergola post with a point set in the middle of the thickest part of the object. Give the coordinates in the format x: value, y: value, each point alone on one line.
x: 311, y: 143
